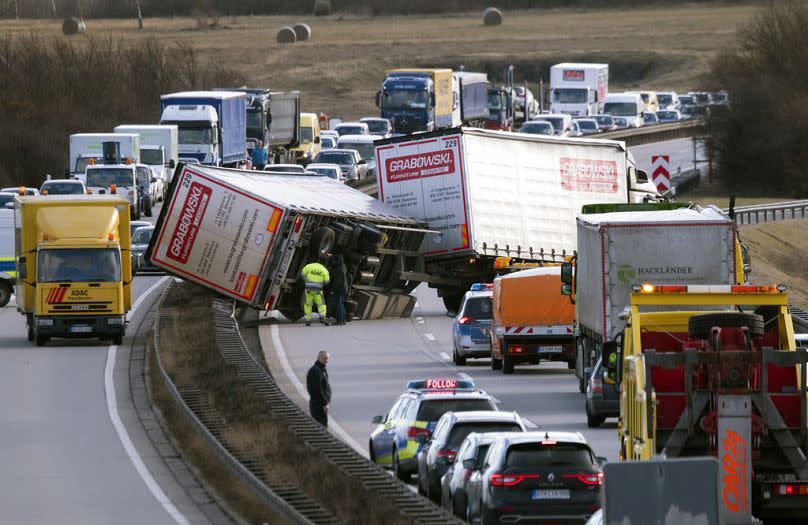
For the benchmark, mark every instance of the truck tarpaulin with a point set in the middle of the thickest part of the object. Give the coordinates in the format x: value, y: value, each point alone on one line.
x: 217, y: 235
x: 532, y: 298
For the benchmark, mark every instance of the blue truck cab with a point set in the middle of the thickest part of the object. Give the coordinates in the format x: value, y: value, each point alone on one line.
x: 212, y: 125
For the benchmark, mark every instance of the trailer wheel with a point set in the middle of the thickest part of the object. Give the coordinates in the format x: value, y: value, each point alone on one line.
x: 507, y: 364
x: 322, y: 240
x: 496, y: 364
x: 5, y: 293
x: 700, y: 325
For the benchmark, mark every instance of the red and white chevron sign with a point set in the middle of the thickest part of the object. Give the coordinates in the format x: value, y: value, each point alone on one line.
x: 660, y: 172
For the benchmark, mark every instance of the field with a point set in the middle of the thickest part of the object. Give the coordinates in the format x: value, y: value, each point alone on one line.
x: 778, y: 256
x: 339, y: 70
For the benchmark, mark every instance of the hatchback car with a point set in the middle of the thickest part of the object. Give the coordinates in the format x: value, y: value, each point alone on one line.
x: 605, y: 122
x: 378, y: 126
x: 285, y: 168
x: 536, y: 477
x: 140, y: 241
x: 439, y: 452
x: 402, y: 433
x: 649, y: 118
x: 349, y: 161
x: 587, y: 126
x: 328, y: 142
x: 669, y: 115
x: 331, y: 171
x: 63, y: 187
x: 352, y: 128
x: 602, y: 396
x: 471, y: 335
x: 537, y: 127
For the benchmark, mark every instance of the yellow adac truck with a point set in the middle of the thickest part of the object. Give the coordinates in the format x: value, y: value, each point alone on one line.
x: 73, y: 265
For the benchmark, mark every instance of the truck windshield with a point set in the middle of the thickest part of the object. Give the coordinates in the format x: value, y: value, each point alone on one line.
x: 83, y: 162
x: 403, y: 99
x: 254, y: 123
x: 306, y: 135
x: 569, y: 96
x: 197, y: 136
x: 153, y: 157
x: 665, y: 100
x: 106, y: 177
x: 366, y: 150
x: 143, y: 176
x: 623, y: 109
x: 494, y: 101
x: 79, y: 265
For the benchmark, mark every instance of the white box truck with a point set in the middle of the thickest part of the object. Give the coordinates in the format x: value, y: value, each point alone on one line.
x: 619, y: 249
x: 494, y: 194
x: 247, y: 235
x: 88, y: 147
x: 159, y: 150
x: 578, y: 89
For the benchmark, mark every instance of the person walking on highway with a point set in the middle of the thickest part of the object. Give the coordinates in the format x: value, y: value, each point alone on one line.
x: 315, y: 277
x: 319, y: 389
x: 259, y: 155
x: 339, y: 286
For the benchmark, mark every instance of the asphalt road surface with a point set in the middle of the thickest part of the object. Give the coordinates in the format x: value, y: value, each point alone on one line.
x: 371, y: 361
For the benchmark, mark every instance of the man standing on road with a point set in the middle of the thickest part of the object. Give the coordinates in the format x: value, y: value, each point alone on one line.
x: 315, y: 277
x: 319, y: 389
x: 259, y: 156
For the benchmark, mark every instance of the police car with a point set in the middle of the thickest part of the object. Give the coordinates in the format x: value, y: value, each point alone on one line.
x: 402, y: 433
x: 471, y: 327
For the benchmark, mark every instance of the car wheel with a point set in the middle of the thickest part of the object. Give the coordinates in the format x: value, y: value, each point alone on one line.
x: 40, y: 340
x: 5, y: 293
x: 30, y: 333
x: 593, y: 421
x: 496, y: 364
x: 458, y: 359
x: 581, y: 385
x: 403, y: 476
x: 571, y: 364
x: 371, y: 454
x: 432, y: 493
x: 117, y: 339
x: 507, y: 365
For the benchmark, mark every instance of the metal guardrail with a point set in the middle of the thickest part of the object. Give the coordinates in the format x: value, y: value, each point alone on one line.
x: 774, y: 212
x: 655, y: 133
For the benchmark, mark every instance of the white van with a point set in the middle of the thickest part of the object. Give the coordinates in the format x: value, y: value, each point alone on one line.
x: 364, y: 145
x: 561, y: 122
x: 627, y: 105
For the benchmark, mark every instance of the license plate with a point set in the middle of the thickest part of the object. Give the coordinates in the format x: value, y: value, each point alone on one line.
x: 80, y: 329
x: 551, y: 494
x: 550, y: 349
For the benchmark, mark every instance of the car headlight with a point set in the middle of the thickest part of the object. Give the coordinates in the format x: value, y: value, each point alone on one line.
x: 44, y: 322
x: 115, y: 321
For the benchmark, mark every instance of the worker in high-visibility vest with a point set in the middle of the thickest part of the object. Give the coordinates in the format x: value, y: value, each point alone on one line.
x: 316, y: 277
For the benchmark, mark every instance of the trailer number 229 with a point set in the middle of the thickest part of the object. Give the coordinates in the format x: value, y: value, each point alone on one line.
x: 450, y: 143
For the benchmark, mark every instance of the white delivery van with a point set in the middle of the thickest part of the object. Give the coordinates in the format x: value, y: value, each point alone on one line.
x: 364, y: 145
x: 88, y: 147
x: 578, y: 89
x: 159, y: 149
x: 627, y: 105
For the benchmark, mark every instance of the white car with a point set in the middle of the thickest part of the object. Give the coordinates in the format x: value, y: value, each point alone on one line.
x: 668, y: 100
x: 25, y: 190
x: 538, y: 127
x: 63, y: 187
x: 561, y: 123
x: 332, y: 171
x: 349, y: 161
x: 364, y: 145
x: 586, y: 126
x: 378, y: 126
x: 285, y: 168
x: 352, y: 128
x: 329, y: 133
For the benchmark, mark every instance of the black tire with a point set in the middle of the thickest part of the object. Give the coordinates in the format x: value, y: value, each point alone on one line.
x: 496, y: 364
x: 432, y: 492
x: 147, y: 206
x: 5, y: 293
x: 700, y: 325
x: 458, y: 359
x: 40, y: 340
x: 30, y: 333
x: 571, y: 364
x: 117, y: 339
x: 582, y: 385
x: 507, y: 364
x: 371, y: 454
x: 322, y: 240
x: 593, y: 421
x: 451, y: 300
x: 403, y: 476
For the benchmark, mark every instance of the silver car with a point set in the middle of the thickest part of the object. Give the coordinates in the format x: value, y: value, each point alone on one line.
x: 471, y: 327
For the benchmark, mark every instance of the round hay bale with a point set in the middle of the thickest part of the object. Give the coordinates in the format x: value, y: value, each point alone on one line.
x: 302, y: 31
x: 286, y: 35
x: 492, y: 17
x: 322, y: 8
x: 73, y: 26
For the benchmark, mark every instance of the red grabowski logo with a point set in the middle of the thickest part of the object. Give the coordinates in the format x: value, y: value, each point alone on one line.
x: 420, y: 165
x: 597, y: 176
x: 182, y: 240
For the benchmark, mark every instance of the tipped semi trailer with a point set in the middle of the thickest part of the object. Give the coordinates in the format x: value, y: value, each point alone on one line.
x: 248, y: 234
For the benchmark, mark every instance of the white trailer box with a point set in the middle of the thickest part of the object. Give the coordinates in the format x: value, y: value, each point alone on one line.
x: 155, y: 135
x: 247, y: 234
x: 85, y: 146
x: 578, y: 89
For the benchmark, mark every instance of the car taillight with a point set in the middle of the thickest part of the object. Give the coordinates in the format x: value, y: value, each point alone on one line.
x: 595, y: 385
x: 587, y: 479
x: 447, y: 453
x: 509, y: 480
x: 465, y: 320
x: 418, y: 431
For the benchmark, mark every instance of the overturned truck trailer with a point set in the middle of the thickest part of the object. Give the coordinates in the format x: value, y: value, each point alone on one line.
x: 247, y: 235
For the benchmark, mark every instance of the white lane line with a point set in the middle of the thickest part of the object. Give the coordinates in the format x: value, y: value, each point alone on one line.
x: 430, y: 337
x: 287, y: 368
x: 528, y: 423
x: 419, y: 319
x: 465, y: 376
x: 445, y: 356
x: 123, y: 435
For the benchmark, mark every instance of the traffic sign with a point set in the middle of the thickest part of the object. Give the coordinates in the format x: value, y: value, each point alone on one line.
x: 660, y: 172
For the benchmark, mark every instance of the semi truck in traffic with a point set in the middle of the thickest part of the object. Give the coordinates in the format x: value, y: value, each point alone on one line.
x: 73, y: 270
x: 248, y: 234
x: 492, y: 194
x: 578, y: 89
x: 416, y: 99
x: 711, y: 370
x: 159, y: 149
x: 212, y: 125
x: 619, y: 246
x: 88, y: 147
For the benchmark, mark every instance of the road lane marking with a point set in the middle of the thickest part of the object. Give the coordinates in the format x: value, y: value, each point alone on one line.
x: 419, y: 319
x: 430, y: 337
x: 528, y: 423
x: 465, y: 376
x: 123, y: 435
x: 445, y: 356
x: 287, y: 368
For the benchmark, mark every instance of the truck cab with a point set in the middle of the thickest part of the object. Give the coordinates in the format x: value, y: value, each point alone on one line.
x: 500, y: 110
x: 155, y: 159
x: 309, y: 146
x: 198, y: 131
x: 627, y: 105
x: 120, y: 179
x: 408, y: 102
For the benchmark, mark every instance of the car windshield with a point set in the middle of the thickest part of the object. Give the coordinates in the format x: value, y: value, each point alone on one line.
x: 478, y: 308
x: 495, y: 101
x: 197, y: 136
x: 433, y: 409
x: 664, y: 99
x: 649, y: 117
x: 106, y: 177
x: 404, y: 99
x: 365, y: 149
x: 62, y: 188
x: 328, y: 172
x: 569, y: 96
x: 589, y: 125
x: 557, y: 122
x: 143, y: 175
x: 461, y: 430
x: 134, y: 225
x: 720, y: 97
x: 306, y: 135
x: 335, y: 157
x: 142, y: 235
x: 604, y: 120
x: 350, y: 130
x: 701, y: 98
x: 151, y: 156
x: 538, y: 455
x: 328, y: 142
x: 378, y: 127
x: 5, y: 198
x: 686, y: 99
x: 79, y: 265
x: 537, y: 128
x: 624, y: 109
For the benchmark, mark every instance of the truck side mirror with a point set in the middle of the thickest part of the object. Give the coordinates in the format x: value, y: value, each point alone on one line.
x: 317, y: 139
x: 566, y: 289
x: 432, y: 99
x: 566, y: 273
x: 378, y: 99
x: 22, y: 267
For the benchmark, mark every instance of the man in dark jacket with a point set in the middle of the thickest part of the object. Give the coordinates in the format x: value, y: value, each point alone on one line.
x: 319, y: 389
x: 339, y: 286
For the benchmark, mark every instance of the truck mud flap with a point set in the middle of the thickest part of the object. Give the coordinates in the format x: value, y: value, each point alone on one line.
x: 377, y: 305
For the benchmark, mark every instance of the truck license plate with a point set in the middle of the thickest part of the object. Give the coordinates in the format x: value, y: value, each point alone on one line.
x: 81, y: 329
x: 551, y: 494
x: 557, y: 349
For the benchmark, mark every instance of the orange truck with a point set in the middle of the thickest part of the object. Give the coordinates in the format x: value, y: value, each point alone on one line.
x: 532, y: 321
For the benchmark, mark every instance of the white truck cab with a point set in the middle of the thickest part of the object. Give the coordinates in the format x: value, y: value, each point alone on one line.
x: 198, y: 136
x: 578, y: 89
x: 627, y: 105
x: 115, y: 178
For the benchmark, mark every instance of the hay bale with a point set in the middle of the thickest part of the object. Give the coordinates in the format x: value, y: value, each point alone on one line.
x: 302, y: 31
x: 73, y: 26
x: 286, y: 35
x: 322, y: 7
x: 492, y: 17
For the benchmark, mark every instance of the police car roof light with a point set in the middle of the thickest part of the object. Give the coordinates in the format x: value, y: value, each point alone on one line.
x: 479, y: 287
x: 440, y: 384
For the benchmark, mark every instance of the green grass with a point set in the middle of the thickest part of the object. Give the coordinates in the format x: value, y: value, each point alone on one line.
x: 719, y: 196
